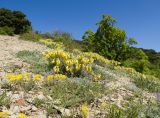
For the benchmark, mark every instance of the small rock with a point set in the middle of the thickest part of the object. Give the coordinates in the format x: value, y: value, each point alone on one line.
x: 15, y: 97
x: 31, y: 92
x: 65, y: 112
x: 21, y: 94
x: 41, y: 97
x: 23, y: 109
x: 18, y: 64
x: 34, y: 108
x: 16, y: 109
x: 9, y: 94
x: 29, y: 100
x: 13, y: 116
x: 49, y: 97
x: 20, y: 102
x: 41, y: 114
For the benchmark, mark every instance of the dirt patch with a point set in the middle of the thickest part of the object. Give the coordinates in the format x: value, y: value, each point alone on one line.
x: 10, y: 45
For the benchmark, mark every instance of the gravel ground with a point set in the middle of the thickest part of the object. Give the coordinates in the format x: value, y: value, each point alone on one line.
x: 10, y: 45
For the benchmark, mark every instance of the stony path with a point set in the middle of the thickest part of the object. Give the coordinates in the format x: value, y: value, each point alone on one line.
x: 10, y: 45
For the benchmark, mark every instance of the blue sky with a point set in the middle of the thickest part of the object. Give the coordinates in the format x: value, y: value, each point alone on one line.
x: 140, y: 18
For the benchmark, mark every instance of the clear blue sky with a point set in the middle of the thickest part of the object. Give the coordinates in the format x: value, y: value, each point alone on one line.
x: 140, y: 18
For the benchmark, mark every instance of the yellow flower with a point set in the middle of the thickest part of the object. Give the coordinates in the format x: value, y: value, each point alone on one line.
x: 58, y: 62
x: 103, y: 104
x: 21, y: 115
x: 37, y: 77
x: 60, y: 76
x: 56, y: 69
x: 68, y: 69
x: 78, y: 67
x: 4, y: 114
x: 50, y: 77
x: 88, y: 68
x: 13, y: 77
x: 53, y: 61
x: 85, y: 111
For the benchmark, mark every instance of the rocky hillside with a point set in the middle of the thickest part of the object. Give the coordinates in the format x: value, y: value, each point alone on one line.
x: 43, y: 80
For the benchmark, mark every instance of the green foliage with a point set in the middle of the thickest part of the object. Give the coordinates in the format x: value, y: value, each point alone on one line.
x: 138, y: 65
x: 135, y: 110
x: 154, y: 59
x: 38, y: 64
x: 113, y: 43
x: 149, y: 83
x: 137, y: 59
x: 4, y: 100
x: 38, y: 102
x: 31, y: 36
x: 15, y: 20
x: 108, y: 40
x: 6, y: 31
x: 66, y: 38
x: 70, y: 93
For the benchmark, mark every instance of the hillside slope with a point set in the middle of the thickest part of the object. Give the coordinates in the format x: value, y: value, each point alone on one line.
x: 10, y: 45
x: 26, y: 89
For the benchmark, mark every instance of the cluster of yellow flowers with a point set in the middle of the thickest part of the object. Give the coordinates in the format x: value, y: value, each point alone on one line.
x: 37, y: 77
x: 100, y: 58
x: 21, y: 115
x: 85, y: 111
x: 68, y: 62
x: 51, y: 43
x: 5, y: 114
x: 56, y: 76
x: 24, y: 76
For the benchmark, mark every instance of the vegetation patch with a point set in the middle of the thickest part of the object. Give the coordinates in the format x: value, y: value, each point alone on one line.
x: 35, y: 59
x: 71, y: 93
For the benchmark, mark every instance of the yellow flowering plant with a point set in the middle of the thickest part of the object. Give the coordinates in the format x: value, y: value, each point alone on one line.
x: 69, y: 63
x: 24, y: 81
x: 50, y: 43
x: 84, y: 111
x: 4, y: 114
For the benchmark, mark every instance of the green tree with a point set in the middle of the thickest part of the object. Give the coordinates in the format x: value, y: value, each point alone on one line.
x: 137, y: 59
x: 108, y: 40
x: 14, y: 20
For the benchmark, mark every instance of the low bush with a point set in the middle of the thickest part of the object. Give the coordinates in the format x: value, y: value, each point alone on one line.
x: 70, y: 93
x: 6, y: 31
x: 35, y: 59
x: 30, y: 36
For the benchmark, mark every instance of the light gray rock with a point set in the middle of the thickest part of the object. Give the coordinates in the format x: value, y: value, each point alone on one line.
x: 27, y: 108
x: 41, y: 114
x: 15, y: 97
x: 16, y: 109
x: 41, y: 97
x: 49, y: 97
x: 34, y: 108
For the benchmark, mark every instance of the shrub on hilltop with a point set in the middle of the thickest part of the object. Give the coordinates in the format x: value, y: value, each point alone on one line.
x: 13, y: 22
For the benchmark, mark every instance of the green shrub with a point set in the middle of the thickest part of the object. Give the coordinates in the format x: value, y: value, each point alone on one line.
x: 38, y: 102
x: 70, y: 93
x: 4, y: 100
x: 15, y: 20
x: 38, y: 64
x: 30, y: 36
x: 150, y: 83
x: 66, y: 38
x: 135, y: 110
x: 6, y: 31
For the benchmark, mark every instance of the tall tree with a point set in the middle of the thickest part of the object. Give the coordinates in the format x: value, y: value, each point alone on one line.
x: 108, y: 40
x: 15, y: 20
